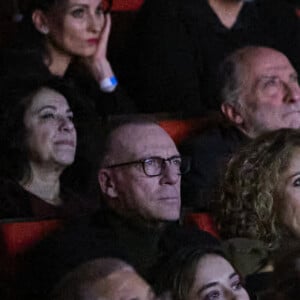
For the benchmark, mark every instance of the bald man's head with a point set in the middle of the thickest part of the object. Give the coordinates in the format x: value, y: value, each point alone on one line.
x: 140, y: 173
x: 103, y: 278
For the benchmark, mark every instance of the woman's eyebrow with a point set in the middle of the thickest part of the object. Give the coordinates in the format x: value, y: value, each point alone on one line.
x: 46, y: 107
x: 294, y: 174
x: 78, y: 4
x: 214, y: 283
x: 234, y: 274
x: 206, y: 286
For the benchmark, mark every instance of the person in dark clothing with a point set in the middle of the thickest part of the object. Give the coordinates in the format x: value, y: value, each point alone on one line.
x: 286, y: 273
x: 67, y: 39
x: 259, y: 92
x: 43, y: 125
x: 103, y: 278
x: 139, y: 177
x: 257, y: 211
x: 177, y: 47
x: 209, y: 154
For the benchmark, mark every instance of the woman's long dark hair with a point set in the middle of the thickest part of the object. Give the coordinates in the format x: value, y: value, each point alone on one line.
x: 15, y: 101
x: 177, y: 274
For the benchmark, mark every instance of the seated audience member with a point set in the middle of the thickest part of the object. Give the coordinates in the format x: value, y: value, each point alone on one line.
x: 139, y: 176
x: 199, y: 273
x: 38, y: 142
x: 178, y: 46
x: 259, y: 91
x: 67, y: 38
x: 258, y: 209
x: 103, y: 278
x: 286, y: 277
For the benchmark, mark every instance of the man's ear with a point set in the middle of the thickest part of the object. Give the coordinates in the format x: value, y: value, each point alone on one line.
x: 232, y: 114
x: 107, y: 183
x: 40, y: 21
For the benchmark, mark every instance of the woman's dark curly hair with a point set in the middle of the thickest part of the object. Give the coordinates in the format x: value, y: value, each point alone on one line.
x: 251, y: 192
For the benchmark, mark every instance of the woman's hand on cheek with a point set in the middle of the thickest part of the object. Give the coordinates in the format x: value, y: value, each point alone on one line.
x: 98, y: 63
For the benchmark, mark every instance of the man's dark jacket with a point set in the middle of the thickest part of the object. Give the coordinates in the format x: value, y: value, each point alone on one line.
x: 105, y: 234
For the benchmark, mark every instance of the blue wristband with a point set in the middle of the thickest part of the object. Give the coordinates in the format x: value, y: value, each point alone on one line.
x: 108, y: 84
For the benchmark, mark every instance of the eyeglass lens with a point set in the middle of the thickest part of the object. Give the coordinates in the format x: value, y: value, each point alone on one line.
x: 154, y: 166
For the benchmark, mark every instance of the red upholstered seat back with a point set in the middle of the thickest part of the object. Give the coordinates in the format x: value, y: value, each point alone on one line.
x: 17, y: 237
x: 179, y: 130
x: 126, y: 5
x: 203, y: 221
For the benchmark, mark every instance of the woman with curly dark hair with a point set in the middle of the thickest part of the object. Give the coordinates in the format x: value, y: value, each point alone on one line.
x: 260, y: 189
x: 259, y: 206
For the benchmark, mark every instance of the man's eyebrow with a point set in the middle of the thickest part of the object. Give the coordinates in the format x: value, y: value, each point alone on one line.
x: 266, y: 77
x: 262, y: 78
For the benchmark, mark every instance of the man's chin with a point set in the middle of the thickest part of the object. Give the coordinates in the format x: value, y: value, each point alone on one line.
x: 294, y: 124
x: 171, y: 216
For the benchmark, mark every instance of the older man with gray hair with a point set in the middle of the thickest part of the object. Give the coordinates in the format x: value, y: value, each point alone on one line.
x: 259, y: 92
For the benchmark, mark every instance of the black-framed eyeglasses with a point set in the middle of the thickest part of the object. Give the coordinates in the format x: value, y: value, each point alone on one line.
x: 154, y: 166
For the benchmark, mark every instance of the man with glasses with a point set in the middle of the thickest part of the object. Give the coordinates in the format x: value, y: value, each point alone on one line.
x: 141, y: 172
x: 139, y: 177
x: 259, y: 91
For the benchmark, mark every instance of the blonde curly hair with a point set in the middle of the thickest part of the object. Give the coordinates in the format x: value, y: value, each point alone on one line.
x: 251, y: 192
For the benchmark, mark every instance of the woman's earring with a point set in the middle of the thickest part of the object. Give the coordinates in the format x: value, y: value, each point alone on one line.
x: 45, y: 30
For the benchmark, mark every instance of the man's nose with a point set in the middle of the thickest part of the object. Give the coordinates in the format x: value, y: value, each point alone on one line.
x: 293, y: 93
x: 170, y: 174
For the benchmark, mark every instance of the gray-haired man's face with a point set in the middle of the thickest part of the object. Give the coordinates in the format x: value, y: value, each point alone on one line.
x: 271, y: 97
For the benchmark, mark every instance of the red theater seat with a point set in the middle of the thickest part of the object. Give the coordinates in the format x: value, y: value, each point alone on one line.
x: 126, y: 5
x: 15, y: 239
x: 20, y: 236
x: 181, y: 129
x: 203, y: 221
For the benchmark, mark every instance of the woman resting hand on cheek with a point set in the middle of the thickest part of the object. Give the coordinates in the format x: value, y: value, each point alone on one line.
x: 69, y: 38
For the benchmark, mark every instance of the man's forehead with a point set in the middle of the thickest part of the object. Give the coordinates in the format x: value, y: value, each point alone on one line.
x: 277, y: 69
x: 140, y: 141
x: 269, y: 61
